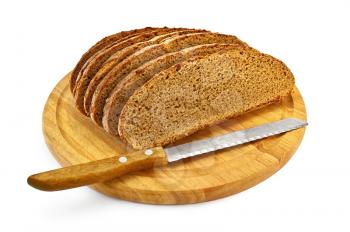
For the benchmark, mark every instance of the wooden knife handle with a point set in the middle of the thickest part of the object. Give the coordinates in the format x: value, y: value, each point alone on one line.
x: 97, y: 171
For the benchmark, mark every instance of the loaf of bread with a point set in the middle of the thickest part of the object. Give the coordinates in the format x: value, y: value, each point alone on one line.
x: 153, y: 86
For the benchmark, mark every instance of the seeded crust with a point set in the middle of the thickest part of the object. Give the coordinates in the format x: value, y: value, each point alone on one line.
x: 105, y: 87
x: 200, y: 92
x: 100, y: 45
x: 141, y: 75
x: 91, y: 68
x: 117, y: 57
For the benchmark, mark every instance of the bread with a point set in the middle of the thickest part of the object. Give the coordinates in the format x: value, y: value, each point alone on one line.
x: 117, y: 57
x: 137, y: 78
x: 105, y: 87
x: 153, y: 86
x: 200, y: 92
x: 94, y: 64
x: 100, y: 45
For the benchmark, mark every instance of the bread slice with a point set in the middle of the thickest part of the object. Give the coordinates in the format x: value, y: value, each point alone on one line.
x: 104, y: 89
x: 100, y: 45
x: 141, y: 75
x: 87, y: 73
x: 200, y: 92
x: 121, y: 55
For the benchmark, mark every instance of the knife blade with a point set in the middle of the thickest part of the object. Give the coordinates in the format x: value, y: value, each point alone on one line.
x: 232, y: 139
x: 113, y: 167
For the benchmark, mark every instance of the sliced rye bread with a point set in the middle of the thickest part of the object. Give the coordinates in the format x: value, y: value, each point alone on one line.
x: 87, y: 73
x: 121, y: 55
x: 105, y: 87
x: 100, y: 45
x: 110, y: 50
x: 85, y: 65
x: 200, y: 92
x: 137, y: 78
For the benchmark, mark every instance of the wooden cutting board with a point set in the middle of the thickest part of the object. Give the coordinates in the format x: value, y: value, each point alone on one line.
x: 73, y: 138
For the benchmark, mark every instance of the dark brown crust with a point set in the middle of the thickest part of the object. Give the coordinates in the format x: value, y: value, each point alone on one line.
x: 98, y: 46
x: 121, y: 55
x: 122, y: 119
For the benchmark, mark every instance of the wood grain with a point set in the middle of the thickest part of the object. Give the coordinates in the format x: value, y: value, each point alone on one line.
x: 74, y: 139
x: 97, y: 171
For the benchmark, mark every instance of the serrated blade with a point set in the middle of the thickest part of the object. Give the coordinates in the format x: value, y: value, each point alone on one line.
x: 232, y: 139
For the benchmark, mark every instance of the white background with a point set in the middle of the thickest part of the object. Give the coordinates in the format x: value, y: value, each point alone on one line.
x: 42, y: 40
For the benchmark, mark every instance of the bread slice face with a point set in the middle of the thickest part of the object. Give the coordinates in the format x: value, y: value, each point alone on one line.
x: 200, y: 92
x: 100, y: 45
x: 134, y: 61
x: 120, y: 55
x: 137, y: 78
x: 94, y: 64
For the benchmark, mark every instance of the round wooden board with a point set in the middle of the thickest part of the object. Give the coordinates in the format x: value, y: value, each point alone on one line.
x: 74, y: 138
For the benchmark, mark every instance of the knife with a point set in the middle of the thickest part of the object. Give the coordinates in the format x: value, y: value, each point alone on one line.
x: 109, y: 168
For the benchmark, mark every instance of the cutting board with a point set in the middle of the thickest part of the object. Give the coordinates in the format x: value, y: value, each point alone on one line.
x: 73, y: 138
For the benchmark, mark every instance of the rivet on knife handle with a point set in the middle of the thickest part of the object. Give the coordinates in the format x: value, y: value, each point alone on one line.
x: 97, y: 171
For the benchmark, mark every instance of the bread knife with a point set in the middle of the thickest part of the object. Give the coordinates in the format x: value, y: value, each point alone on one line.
x: 109, y: 168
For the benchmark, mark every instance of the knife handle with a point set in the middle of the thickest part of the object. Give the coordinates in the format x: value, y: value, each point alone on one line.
x: 97, y: 171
